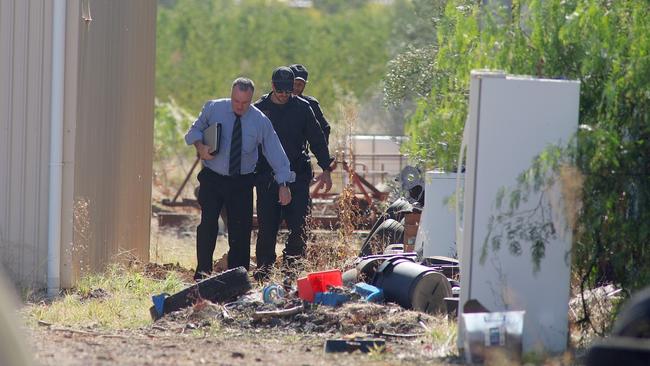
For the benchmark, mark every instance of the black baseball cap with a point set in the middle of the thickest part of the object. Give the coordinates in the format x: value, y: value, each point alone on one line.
x: 299, y: 71
x: 283, y: 78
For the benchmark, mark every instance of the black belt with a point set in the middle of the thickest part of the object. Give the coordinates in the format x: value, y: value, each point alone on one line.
x: 215, y: 174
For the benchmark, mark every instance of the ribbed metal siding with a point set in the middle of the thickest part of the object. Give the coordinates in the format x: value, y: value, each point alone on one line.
x: 25, y: 59
x: 107, y: 140
x: 114, y: 132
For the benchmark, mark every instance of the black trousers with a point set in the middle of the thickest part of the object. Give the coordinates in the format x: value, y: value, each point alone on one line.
x: 270, y: 215
x: 237, y: 194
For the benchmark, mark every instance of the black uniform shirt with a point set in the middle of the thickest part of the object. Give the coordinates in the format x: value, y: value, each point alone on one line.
x: 315, y: 106
x: 295, y: 125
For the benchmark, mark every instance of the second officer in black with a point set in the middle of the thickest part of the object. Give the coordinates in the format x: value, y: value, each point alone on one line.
x: 300, y: 74
x: 295, y: 124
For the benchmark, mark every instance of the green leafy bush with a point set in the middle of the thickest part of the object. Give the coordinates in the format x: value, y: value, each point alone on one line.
x: 171, y: 122
x: 203, y: 45
x: 604, y: 44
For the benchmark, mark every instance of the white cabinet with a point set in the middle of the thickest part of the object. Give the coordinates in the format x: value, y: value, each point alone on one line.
x: 511, y: 120
x: 436, y: 235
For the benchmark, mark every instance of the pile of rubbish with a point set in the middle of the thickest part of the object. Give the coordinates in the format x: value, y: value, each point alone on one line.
x: 384, y: 296
x: 351, y: 318
x: 392, y: 293
x: 426, y: 287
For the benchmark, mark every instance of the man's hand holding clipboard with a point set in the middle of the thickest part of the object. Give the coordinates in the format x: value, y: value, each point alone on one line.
x: 209, y: 147
x: 212, y: 138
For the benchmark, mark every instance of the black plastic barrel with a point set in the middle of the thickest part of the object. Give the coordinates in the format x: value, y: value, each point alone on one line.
x: 413, y: 285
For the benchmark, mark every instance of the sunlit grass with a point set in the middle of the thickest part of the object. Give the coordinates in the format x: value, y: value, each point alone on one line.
x: 442, y: 334
x: 168, y: 247
x: 377, y: 353
x: 119, y: 298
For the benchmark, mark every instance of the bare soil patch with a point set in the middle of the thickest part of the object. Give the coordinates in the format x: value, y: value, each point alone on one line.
x: 227, y: 347
x: 214, y: 334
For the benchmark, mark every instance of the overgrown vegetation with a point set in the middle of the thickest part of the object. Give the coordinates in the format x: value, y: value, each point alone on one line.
x: 203, y: 45
x: 117, y: 299
x: 602, y: 43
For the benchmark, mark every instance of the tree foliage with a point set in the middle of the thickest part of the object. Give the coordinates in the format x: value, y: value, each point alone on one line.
x: 171, y: 122
x: 203, y: 45
x: 604, y: 44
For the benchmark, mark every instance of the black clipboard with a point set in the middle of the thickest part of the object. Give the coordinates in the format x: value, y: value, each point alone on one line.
x: 212, y: 138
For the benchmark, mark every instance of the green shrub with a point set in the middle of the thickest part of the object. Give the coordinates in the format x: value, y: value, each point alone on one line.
x: 605, y: 45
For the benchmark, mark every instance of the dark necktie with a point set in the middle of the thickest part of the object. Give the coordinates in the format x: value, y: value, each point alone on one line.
x: 235, y: 148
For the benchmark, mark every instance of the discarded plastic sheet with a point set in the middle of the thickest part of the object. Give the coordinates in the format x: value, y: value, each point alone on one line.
x: 369, y: 293
x: 363, y: 345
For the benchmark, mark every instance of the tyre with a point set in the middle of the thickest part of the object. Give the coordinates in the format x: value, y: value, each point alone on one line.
x: 388, y: 232
x: 397, y: 209
x: 219, y: 288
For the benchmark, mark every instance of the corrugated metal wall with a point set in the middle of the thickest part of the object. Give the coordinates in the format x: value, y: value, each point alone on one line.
x: 108, y: 134
x: 25, y: 74
x: 114, y: 132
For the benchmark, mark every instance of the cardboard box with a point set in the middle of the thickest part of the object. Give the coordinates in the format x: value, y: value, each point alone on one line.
x: 412, y: 218
x: 411, y: 225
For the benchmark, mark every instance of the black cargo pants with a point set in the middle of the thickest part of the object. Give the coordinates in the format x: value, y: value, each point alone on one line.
x: 270, y: 215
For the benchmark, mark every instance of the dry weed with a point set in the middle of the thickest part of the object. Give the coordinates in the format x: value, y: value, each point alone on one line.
x: 572, y: 181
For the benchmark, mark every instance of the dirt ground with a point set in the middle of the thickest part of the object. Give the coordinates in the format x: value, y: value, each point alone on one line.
x: 229, y: 347
x: 214, y: 334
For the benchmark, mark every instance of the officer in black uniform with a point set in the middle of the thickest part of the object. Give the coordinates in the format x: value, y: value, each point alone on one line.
x: 295, y: 124
x: 300, y: 74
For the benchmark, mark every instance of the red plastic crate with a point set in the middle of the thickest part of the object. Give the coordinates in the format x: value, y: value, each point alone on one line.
x: 305, y: 291
x: 321, y: 280
x: 318, y: 282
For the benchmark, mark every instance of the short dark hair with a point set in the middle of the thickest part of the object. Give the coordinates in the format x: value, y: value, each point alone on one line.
x: 244, y: 84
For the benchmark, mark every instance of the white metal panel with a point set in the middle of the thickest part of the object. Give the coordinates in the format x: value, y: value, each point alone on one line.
x: 436, y: 234
x: 512, y: 120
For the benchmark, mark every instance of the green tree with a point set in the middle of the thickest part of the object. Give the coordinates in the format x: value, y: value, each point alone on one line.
x: 605, y: 45
x: 203, y: 45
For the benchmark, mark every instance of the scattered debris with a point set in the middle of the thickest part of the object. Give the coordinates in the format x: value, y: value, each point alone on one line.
x: 161, y: 271
x: 96, y: 294
x: 222, y: 287
x: 357, y: 308
x: 278, y: 313
x: 273, y: 294
x: 362, y: 345
x: 369, y: 293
